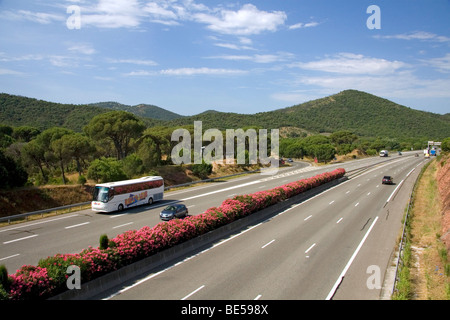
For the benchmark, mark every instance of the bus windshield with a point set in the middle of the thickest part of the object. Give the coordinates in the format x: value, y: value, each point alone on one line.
x: 101, y: 194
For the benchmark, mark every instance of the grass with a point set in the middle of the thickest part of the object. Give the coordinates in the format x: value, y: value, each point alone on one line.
x: 425, y: 270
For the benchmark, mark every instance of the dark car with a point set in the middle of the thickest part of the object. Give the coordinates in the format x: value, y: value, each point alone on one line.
x: 387, y: 180
x: 174, y: 211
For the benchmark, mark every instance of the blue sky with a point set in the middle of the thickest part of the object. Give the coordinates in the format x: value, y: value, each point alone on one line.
x: 189, y: 56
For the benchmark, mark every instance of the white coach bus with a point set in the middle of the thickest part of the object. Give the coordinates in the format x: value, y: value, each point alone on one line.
x: 116, y: 196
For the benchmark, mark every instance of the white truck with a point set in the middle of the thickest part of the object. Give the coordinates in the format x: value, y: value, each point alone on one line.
x: 384, y: 153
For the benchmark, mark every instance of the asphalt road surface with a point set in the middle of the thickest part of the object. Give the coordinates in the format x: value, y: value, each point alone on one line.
x: 336, y: 245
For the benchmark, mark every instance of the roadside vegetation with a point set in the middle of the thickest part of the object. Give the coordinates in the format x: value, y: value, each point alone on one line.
x: 424, y: 271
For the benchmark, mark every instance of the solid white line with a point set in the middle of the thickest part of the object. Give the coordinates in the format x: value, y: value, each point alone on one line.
x: 394, y: 191
x: 14, y: 255
x: 267, y: 244
x: 123, y: 225
x: 190, y: 294
x: 117, y: 215
x: 40, y: 222
x: 34, y: 235
x: 338, y: 281
x: 77, y: 225
x: 313, y: 245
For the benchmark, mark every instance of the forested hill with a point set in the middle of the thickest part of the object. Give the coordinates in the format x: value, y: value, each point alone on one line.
x: 142, y: 110
x: 22, y: 111
x: 362, y: 113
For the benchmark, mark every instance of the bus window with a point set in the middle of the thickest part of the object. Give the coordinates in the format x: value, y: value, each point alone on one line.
x: 101, y: 194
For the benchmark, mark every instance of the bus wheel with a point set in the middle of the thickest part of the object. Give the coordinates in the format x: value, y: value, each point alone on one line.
x: 150, y: 200
x: 120, y: 207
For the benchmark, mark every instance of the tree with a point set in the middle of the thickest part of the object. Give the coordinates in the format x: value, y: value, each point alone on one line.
x: 343, y: 137
x: 11, y: 173
x: 119, y: 127
x: 106, y: 170
x: 161, y: 138
x: 446, y: 144
x: 77, y: 147
x: 33, y: 154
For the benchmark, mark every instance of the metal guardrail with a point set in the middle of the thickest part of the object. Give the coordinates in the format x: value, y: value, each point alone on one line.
x: 43, y: 211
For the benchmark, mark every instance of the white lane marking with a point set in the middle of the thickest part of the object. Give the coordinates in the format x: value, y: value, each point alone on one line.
x: 257, y: 297
x: 77, y: 225
x: 34, y: 235
x: 117, y: 215
x: 40, y: 222
x: 394, y: 191
x: 123, y: 225
x: 338, y: 281
x: 307, y: 217
x: 312, y: 246
x: 339, y: 220
x: 357, y: 204
x: 8, y: 257
x: 331, y: 202
x: 190, y: 294
x: 267, y: 244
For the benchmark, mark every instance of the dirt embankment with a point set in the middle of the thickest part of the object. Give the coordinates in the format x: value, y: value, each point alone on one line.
x: 443, y: 179
x: 38, y: 198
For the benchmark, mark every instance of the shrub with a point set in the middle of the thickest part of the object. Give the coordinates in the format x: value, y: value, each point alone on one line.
x: 104, y: 242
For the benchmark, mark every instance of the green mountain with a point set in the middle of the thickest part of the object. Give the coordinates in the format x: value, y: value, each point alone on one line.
x: 360, y: 112
x: 364, y: 114
x: 18, y: 111
x: 141, y: 110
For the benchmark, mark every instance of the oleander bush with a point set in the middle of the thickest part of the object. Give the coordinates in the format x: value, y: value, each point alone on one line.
x: 49, y: 277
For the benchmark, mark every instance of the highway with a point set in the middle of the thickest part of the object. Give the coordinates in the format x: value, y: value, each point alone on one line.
x: 303, y: 253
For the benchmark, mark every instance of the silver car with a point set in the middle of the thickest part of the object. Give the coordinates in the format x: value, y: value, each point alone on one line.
x: 174, y: 211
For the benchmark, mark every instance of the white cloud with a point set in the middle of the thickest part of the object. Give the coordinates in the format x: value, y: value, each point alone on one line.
x: 186, y: 72
x: 39, y: 17
x: 301, y: 25
x: 203, y: 71
x: 248, y: 20
x: 134, y: 61
x: 84, y: 48
x: 257, y: 58
x: 441, y: 64
x: 349, y: 63
x: 418, y: 35
x: 9, y: 72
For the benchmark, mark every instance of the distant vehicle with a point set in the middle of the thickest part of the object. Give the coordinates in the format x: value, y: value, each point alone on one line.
x: 174, y: 211
x: 116, y: 196
x: 399, y: 153
x: 384, y: 153
x: 432, y: 152
x: 387, y: 180
x: 290, y: 160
